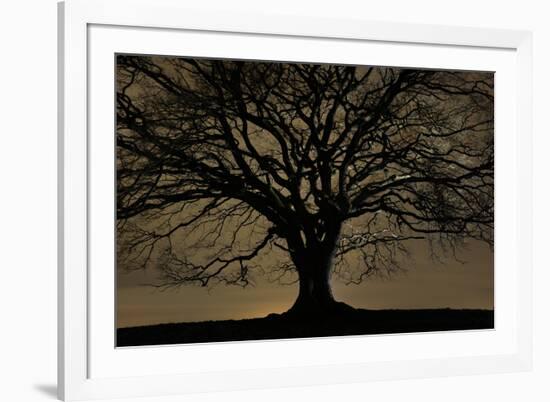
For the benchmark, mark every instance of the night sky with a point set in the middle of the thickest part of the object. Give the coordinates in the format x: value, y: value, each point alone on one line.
x: 426, y: 283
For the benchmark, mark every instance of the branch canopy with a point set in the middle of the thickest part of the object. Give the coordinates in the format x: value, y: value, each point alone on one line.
x: 248, y: 158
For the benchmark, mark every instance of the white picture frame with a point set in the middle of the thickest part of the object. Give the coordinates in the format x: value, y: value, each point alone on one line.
x: 90, y: 367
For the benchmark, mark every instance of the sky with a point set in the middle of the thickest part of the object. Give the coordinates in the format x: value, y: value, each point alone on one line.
x: 425, y: 283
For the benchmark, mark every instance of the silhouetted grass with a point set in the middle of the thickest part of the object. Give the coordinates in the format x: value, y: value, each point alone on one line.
x: 274, y: 326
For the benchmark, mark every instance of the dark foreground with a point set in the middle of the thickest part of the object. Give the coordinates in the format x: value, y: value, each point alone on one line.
x: 357, y: 322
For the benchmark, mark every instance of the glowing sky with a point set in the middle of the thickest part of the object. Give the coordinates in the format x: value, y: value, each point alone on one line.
x: 426, y: 283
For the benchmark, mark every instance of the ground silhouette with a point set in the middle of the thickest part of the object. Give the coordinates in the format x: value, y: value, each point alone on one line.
x: 283, y: 326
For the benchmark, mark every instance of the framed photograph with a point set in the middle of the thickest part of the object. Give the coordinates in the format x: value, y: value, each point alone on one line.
x: 252, y: 201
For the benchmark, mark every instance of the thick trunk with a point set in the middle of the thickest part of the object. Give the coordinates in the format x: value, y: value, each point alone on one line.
x: 315, y: 297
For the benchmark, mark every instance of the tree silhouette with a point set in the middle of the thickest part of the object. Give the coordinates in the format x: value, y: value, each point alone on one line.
x: 327, y: 169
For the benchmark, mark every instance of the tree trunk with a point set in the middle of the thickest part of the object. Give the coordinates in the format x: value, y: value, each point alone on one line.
x: 315, y: 294
x: 315, y: 297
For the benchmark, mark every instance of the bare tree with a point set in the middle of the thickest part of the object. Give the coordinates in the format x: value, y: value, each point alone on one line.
x: 328, y: 169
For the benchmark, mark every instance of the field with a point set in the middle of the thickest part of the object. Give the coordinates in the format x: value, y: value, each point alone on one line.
x: 275, y: 326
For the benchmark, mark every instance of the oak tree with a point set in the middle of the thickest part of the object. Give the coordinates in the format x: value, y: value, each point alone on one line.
x: 326, y: 169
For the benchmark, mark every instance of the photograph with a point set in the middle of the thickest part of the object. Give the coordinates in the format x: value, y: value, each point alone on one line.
x: 260, y: 199
x: 246, y: 201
